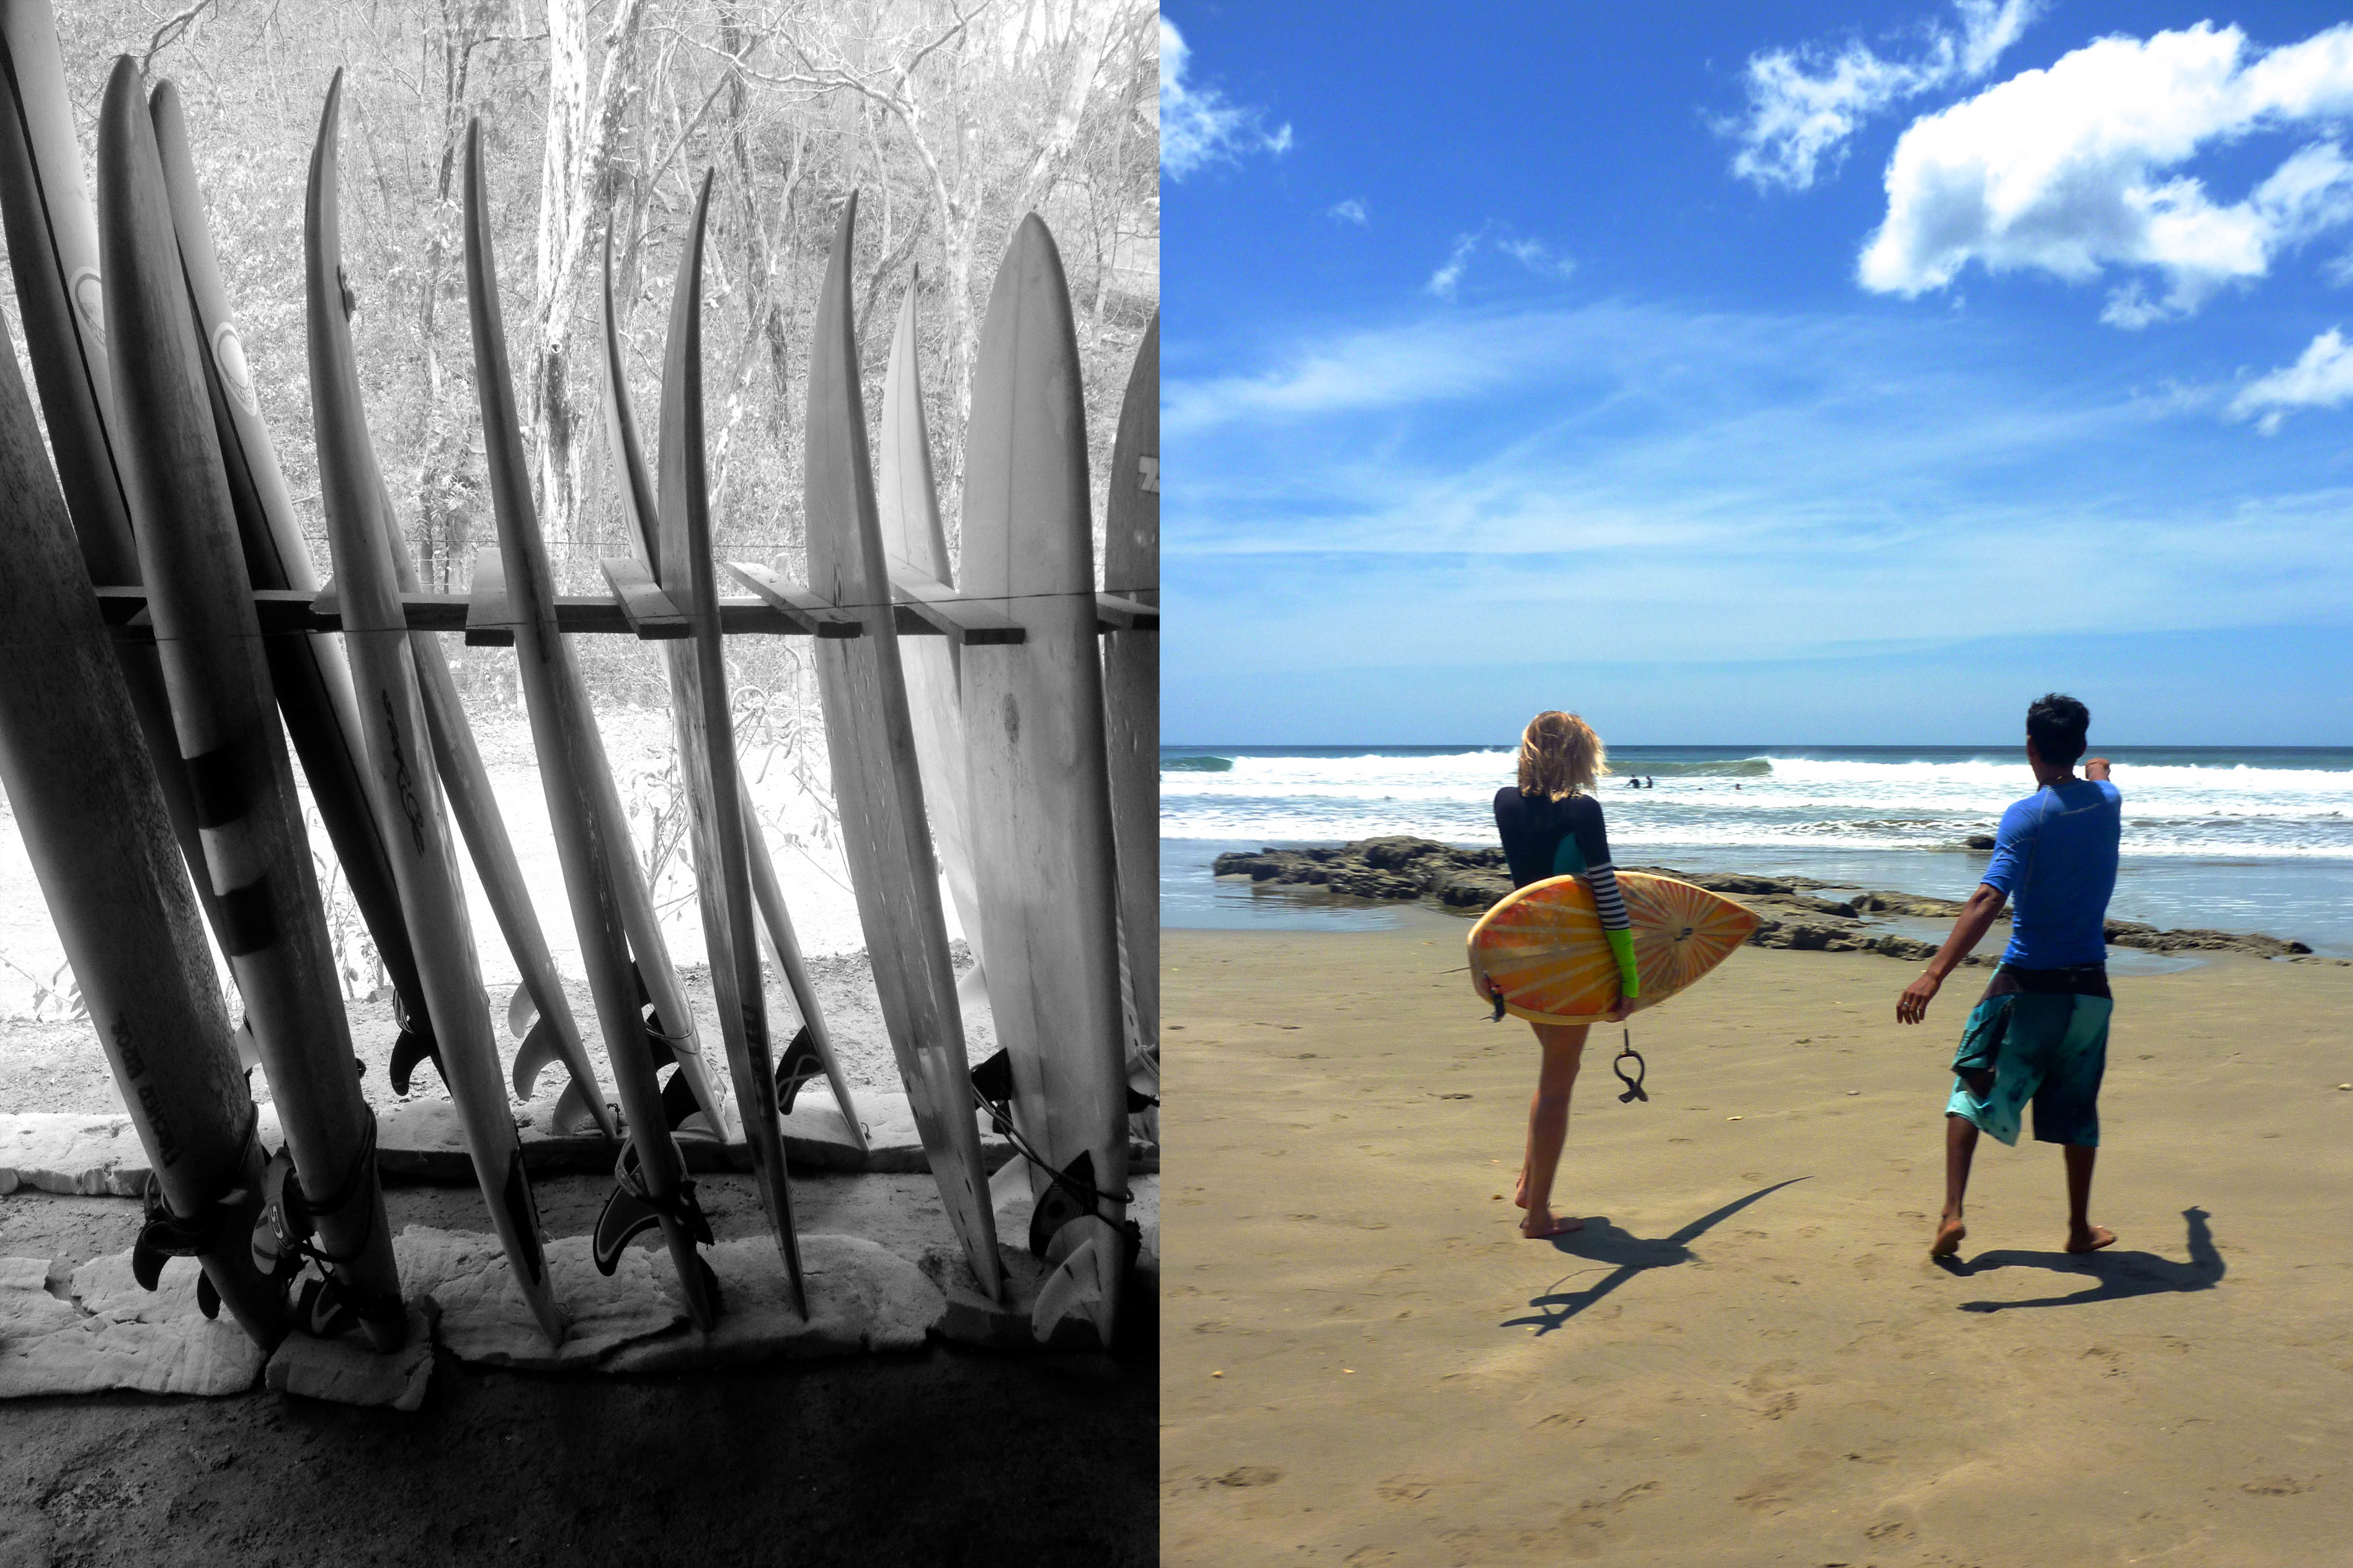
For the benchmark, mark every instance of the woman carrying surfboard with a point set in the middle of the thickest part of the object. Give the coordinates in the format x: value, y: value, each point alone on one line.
x: 1551, y: 826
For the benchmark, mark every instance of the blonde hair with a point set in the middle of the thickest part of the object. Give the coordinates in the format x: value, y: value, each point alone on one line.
x: 1560, y: 755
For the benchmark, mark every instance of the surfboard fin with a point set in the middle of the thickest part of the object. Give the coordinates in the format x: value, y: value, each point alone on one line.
x: 800, y: 1064
x: 628, y: 1211
x: 327, y: 1306
x: 1058, y: 1205
x: 575, y: 1112
x: 207, y: 1294
x: 1069, y: 1303
x: 414, y: 1044
x: 523, y: 1009
x: 164, y: 1236
x: 411, y: 1048
x: 622, y: 1218
x: 1094, y: 1267
x: 677, y: 1100
x: 992, y: 1079
x: 284, y: 1221
x: 538, y: 1049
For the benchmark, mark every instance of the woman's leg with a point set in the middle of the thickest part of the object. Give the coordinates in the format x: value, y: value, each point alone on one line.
x: 1563, y: 1048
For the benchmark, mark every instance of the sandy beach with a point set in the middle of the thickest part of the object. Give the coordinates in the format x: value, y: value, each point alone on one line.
x: 1746, y: 1356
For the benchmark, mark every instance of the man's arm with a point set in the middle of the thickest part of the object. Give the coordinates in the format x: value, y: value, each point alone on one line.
x: 1977, y: 916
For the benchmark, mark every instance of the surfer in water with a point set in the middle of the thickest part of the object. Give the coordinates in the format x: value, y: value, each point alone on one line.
x: 1551, y: 826
x: 2041, y: 1030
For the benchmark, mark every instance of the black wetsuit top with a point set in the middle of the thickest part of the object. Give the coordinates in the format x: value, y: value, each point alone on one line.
x: 1549, y: 838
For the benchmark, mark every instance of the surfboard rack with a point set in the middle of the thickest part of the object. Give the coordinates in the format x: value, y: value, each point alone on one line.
x: 634, y: 608
x: 637, y: 607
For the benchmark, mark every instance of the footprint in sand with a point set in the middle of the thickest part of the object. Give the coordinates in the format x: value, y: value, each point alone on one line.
x: 2274, y: 1486
x: 1251, y: 1476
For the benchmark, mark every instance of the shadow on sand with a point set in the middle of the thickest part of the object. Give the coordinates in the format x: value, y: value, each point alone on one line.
x: 2114, y: 1276
x: 1602, y: 1242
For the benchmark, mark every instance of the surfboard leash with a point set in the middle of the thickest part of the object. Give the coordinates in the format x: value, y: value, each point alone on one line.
x: 1634, y: 1090
x: 163, y: 1234
x: 282, y: 1243
x: 1071, y: 1193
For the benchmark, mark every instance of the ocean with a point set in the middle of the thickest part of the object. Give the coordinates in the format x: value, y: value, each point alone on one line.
x: 2243, y: 838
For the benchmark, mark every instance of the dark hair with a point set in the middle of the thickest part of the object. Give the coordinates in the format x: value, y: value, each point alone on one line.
x: 2056, y: 724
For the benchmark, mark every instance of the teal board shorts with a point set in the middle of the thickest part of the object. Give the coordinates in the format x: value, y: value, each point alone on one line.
x: 2042, y: 1036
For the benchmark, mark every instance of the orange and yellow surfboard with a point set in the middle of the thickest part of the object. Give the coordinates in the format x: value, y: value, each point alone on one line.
x: 1543, y: 949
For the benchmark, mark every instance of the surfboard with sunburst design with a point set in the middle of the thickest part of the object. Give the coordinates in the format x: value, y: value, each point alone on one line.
x: 1543, y: 949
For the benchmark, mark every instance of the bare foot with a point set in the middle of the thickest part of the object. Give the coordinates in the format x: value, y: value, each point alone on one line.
x: 1520, y: 1193
x: 2090, y: 1240
x: 1542, y: 1224
x: 1949, y: 1233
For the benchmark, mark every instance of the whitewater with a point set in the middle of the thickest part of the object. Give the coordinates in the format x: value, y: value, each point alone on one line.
x: 2227, y: 837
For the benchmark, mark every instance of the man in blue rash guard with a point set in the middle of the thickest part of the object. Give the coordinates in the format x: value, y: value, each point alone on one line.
x: 1551, y: 826
x: 2041, y: 1030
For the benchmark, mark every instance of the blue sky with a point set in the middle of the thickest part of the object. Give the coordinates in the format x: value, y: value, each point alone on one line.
x: 1843, y: 374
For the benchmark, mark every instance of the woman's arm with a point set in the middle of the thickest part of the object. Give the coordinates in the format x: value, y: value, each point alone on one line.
x: 1609, y: 902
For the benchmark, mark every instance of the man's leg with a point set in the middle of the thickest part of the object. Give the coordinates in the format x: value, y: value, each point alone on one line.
x: 2081, y: 1234
x: 1960, y: 1146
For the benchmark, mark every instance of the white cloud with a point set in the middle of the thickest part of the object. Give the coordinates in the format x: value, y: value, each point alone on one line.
x: 1747, y: 485
x: 1537, y: 256
x: 1805, y: 104
x: 2322, y: 378
x: 1349, y: 211
x: 1197, y: 125
x: 1443, y: 281
x: 1442, y: 357
x: 2075, y: 169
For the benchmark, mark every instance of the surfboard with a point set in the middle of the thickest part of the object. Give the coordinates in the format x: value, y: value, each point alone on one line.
x: 1543, y: 948
x: 1132, y: 702
x: 582, y: 806
x: 706, y: 747
x: 400, y: 771
x: 53, y: 251
x: 639, y: 504
x: 547, y: 1029
x: 202, y: 605
x: 313, y: 687
x: 877, y: 785
x: 1039, y: 775
x: 86, y: 801
x: 906, y: 500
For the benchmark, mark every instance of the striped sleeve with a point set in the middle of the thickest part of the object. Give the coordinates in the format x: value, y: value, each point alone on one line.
x: 1607, y: 902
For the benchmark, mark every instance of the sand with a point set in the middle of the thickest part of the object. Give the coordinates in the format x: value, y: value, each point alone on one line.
x: 1745, y: 1357
x: 946, y: 1456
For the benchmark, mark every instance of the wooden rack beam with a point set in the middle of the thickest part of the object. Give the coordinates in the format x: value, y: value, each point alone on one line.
x: 638, y: 607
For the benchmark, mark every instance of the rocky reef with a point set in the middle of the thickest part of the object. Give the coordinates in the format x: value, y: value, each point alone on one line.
x: 1789, y: 915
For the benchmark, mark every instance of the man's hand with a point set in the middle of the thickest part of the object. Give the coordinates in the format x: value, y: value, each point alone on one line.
x: 1912, y: 1005
x: 2097, y: 771
x: 1977, y: 915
